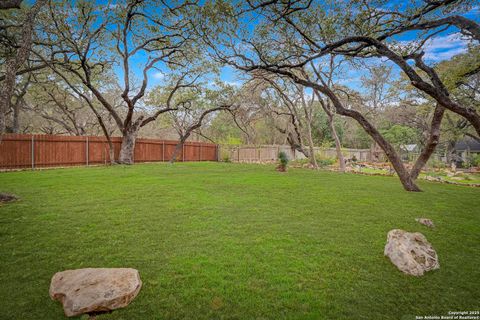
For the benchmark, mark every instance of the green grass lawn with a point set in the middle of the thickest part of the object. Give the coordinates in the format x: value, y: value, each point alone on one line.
x: 232, y: 241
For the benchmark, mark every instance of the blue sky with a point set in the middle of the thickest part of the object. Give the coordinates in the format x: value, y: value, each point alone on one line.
x: 442, y: 47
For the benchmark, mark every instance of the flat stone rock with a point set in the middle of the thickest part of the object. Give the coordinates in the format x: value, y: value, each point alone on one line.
x: 425, y: 222
x: 410, y: 252
x: 430, y: 178
x: 95, y: 290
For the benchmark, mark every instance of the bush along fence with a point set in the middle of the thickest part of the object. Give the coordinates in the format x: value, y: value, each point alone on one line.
x: 269, y: 153
x: 35, y: 151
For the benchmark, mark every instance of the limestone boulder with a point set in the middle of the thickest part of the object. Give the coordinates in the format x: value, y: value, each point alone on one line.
x: 95, y: 290
x: 410, y: 252
x: 425, y: 222
x: 430, y: 178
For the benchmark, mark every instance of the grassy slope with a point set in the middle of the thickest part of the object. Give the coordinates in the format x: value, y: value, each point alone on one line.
x: 236, y: 241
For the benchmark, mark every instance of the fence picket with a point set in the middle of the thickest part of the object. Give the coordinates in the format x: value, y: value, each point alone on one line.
x: 270, y: 153
x: 35, y: 151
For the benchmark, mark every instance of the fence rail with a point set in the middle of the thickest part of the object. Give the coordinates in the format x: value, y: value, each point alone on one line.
x: 35, y: 151
x: 268, y: 153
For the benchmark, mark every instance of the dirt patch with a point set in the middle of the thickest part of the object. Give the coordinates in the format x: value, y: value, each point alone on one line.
x: 5, y: 197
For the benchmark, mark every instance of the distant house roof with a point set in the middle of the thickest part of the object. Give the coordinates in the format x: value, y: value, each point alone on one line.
x: 468, y: 144
x: 409, y: 147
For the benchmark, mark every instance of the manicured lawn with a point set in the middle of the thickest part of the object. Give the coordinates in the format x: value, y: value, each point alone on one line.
x: 231, y: 241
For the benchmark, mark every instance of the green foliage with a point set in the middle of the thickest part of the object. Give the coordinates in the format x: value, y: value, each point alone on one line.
x: 437, y: 164
x: 358, y: 138
x: 321, y: 132
x: 453, y: 72
x: 475, y: 160
x: 283, y: 158
x: 300, y: 162
x: 233, y: 140
x: 326, y: 162
x: 225, y: 155
x: 400, y: 135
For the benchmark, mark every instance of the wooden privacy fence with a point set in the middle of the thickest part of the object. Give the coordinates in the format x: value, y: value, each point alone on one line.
x: 35, y: 151
x: 269, y: 153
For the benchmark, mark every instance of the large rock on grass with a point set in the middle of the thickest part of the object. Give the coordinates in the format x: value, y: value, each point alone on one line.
x: 411, y: 252
x: 95, y: 290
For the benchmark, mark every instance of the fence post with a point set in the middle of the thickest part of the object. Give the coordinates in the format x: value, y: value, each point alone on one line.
x: 163, y: 150
x: 200, y: 155
x: 33, y: 153
x: 183, y: 152
x: 86, y: 150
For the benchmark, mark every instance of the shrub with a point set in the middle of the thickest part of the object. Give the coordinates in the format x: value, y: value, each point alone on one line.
x: 226, y: 158
x: 225, y: 154
x: 476, y: 160
x: 326, y: 162
x: 299, y: 162
x: 283, y: 158
x: 437, y: 164
x: 323, y: 160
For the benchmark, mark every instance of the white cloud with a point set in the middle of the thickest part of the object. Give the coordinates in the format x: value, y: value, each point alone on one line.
x: 233, y: 83
x: 159, y: 75
x: 444, y: 47
x: 349, y: 80
x: 437, y: 48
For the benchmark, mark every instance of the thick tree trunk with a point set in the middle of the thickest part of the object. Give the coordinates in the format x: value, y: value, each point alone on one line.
x: 403, y: 174
x: 178, y: 148
x: 111, y: 149
x: 16, y: 114
x: 295, y: 145
x: 6, y: 96
x: 432, y: 142
x: 111, y: 152
x: 313, y: 160
x: 176, y: 152
x: 338, y: 145
x: 127, y: 150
